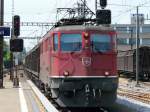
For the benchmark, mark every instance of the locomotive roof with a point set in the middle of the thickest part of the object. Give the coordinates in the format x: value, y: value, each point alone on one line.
x: 83, y: 27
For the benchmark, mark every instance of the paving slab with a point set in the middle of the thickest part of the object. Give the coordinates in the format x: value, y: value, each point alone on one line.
x: 9, y: 97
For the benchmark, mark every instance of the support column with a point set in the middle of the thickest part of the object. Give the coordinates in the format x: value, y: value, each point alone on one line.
x: 1, y: 42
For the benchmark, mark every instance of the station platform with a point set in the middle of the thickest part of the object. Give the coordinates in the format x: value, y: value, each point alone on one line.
x: 24, y: 98
x: 9, y: 97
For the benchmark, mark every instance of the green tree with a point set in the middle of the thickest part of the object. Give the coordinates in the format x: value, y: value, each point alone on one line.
x: 6, y: 55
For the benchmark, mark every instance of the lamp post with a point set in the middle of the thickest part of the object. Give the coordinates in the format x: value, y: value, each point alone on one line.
x: 137, y: 47
x: 1, y: 42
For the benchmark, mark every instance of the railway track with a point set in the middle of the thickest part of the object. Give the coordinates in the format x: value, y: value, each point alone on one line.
x: 136, y: 95
x: 145, y: 83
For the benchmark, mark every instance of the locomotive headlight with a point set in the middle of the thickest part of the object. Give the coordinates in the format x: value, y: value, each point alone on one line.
x: 106, y: 73
x: 66, y: 73
x: 86, y: 35
x: 86, y: 39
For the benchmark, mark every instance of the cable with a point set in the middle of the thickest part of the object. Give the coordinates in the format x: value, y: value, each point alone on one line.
x: 144, y: 3
x: 124, y: 12
x: 121, y: 5
x: 31, y: 33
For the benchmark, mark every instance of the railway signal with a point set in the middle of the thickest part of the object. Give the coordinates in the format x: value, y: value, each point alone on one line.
x: 103, y: 16
x: 103, y: 3
x: 16, y: 25
x: 16, y: 45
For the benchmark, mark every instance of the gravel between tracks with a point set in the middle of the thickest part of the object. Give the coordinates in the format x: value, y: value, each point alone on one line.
x: 127, y: 88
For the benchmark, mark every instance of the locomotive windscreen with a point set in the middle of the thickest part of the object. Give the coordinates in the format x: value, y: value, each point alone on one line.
x: 71, y: 42
x: 101, y: 42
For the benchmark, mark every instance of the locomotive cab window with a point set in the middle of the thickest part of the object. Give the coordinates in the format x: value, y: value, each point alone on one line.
x: 71, y: 42
x: 100, y: 42
x: 55, y: 42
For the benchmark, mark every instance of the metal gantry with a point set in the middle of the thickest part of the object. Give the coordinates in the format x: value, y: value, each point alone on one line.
x: 79, y: 11
x: 30, y: 24
x: 37, y: 37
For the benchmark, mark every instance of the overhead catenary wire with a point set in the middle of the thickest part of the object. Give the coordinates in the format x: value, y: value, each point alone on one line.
x: 133, y: 8
x: 121, y: 5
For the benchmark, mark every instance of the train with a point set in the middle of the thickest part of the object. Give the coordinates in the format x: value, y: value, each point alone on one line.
x: 126, y: 63
x: 76, y: 65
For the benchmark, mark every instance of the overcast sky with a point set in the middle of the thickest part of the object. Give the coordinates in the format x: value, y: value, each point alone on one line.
x: 45, y: 11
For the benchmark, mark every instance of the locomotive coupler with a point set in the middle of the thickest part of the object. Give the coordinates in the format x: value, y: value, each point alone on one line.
x: 87, y: 93
x: 87, y: 88
x: 96, y: 93
x: 74, y: 92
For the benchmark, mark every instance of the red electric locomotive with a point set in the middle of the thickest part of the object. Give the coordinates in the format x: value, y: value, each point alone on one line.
x: 78, y: 65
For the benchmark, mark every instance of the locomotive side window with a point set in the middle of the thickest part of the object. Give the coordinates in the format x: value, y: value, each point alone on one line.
x: 71, y: 42
x: 41, y: 47
x: 101, y: 42
x: 46, y: 45
x: 55, y: 42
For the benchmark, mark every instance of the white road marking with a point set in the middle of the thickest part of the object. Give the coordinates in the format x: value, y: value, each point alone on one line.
x: 23, y: 103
